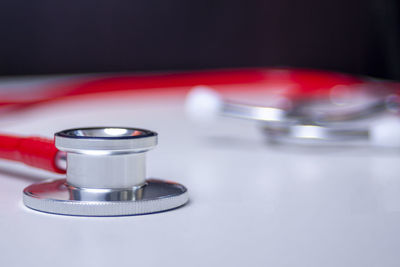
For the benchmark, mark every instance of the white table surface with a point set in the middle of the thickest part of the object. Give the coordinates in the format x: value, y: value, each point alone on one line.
x: 250, y: 204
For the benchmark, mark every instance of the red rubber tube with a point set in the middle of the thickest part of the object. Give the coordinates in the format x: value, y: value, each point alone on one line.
x: 33, y: 151
x: 309, y: 83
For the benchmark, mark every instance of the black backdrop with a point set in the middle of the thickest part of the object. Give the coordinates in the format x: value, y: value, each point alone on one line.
x: 355, y: 36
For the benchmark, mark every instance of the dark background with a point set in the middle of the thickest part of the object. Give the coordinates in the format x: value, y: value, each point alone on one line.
x: 42, y: 37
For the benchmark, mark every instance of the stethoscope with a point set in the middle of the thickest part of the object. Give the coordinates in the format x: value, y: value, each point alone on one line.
x: 376, y: 123
x: 105, y: 167
x: 105, y: 172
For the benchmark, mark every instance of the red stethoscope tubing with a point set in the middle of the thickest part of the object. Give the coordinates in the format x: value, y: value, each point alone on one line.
x: 307, y: 83
x: 41, y: 153
x: 33, y: 151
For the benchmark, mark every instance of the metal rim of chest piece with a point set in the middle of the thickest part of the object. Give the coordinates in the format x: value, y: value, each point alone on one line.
x: 106, y: 176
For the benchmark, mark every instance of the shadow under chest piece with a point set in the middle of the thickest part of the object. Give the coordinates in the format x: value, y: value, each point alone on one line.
x: 106, y: 176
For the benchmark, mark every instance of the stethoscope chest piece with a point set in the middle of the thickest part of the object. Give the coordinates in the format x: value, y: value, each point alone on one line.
x: 106, y: 176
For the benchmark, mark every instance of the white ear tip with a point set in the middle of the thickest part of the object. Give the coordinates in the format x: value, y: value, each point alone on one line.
x: 202, y: 103
x: 386, y: 132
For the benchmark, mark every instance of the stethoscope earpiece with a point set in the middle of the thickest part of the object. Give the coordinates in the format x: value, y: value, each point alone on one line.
x: 106, y: 176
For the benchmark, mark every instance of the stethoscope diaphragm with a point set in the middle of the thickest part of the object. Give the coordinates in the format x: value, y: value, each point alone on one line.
x: 105, y: 176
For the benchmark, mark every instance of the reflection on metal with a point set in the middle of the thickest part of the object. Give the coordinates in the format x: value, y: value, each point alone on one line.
x: 59, y: 198
x: 106, y: 176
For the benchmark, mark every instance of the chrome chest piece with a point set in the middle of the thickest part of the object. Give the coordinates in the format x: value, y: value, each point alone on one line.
x: 106, y: 176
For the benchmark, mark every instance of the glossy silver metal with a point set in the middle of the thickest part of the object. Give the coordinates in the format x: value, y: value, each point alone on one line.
x: 388, y: 104
x: 106, y: 176
x: 258, y: 113
x: 311, y: 133
x: 59, y: 198
x: 301, y: 124
x: 296, y: 114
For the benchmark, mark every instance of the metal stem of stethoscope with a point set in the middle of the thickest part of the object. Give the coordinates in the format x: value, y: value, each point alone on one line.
x: 203, y: 103
x: 390, y: 103
x: 106, y: 176
x: 266, y: 114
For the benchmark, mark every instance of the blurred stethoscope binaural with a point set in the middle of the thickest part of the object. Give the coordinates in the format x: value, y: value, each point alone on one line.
x: 349, y: 114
